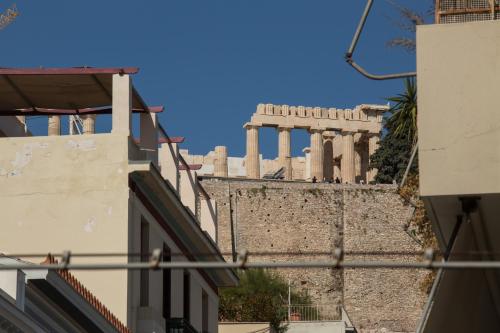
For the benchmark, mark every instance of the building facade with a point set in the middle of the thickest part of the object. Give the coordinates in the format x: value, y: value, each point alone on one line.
x: 108, y: 193
x: 458, y: 162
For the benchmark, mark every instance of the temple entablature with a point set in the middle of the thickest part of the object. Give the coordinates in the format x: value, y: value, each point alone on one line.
x: 342, y: 140
x: 363, y: 118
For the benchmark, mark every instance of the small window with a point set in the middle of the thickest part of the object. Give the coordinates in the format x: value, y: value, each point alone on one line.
x: 167, y: 283
x: 187, y: 296
x: 204, y: 312
x: 144, y: 291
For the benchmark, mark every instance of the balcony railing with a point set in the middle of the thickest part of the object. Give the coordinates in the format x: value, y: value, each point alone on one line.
x: 322, y: 312
x: 459, y: 11
x: 179, y: 325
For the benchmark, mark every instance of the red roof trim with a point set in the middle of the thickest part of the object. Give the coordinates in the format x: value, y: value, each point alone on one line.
x: 173, y: 139
x: 190, y: 167
x: 68, y: 71
x: 88, y: 296
x: 52, y: 112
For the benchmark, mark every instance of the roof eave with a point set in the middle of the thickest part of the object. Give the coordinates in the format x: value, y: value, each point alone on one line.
x: 68, y: 71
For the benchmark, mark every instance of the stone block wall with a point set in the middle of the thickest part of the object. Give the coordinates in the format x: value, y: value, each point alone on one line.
x: 269, y: 217
x: 380, y: 300
x: 293, y: 218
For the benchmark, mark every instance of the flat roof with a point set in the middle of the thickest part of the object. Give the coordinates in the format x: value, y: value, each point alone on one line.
x: 61, y: 90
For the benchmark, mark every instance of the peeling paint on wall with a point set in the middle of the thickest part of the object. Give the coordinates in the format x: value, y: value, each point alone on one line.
x: 23, y: 158
x: 90, y: 225
x: 83, y: 145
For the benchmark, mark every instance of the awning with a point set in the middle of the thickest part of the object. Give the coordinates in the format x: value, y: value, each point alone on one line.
x: 61, y: 90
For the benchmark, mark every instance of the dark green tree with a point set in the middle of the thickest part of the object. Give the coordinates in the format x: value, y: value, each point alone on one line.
x: 392, y: 158
x: 261, y: 296
x: 393, y: 155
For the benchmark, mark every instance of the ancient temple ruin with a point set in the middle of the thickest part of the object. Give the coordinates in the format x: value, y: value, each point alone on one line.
x: 356, y: 131
x: 342, y: 141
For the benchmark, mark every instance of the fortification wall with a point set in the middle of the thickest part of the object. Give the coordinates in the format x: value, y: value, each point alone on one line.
x: 299, y: 217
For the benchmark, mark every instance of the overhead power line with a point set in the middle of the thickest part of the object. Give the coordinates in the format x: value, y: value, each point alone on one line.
x: 457, y: 254
x: 338, y: 262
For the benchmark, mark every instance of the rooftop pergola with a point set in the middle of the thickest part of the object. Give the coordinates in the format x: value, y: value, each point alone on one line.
x: 64, y: 91
x: 82, y: 91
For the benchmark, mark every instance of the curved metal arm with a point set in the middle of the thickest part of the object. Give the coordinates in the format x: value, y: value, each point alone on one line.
x: 354, y: 42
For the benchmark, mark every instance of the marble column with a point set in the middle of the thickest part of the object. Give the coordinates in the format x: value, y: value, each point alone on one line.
x: 252, y: 159
x: 328, y: 159
x: 357, y: 162
x: 317, y: 153
x: 373, y: 142
x: 307, y: 167
x: 284, y: 155
x: 347, y: 167
x: 220, y: 165
x: 54, y: 127
x: 288, y: 168
x: 364, y: 161
x: 88, y: 123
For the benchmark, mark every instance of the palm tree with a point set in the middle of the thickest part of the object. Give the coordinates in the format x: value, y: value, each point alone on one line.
x: 403, y: 120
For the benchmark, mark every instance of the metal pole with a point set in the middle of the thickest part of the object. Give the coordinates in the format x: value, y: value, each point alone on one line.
x: 289, y: 299
x: 454, y: 265
x: 350, y: 52
x: 413, y: 153
x: 360, y: 27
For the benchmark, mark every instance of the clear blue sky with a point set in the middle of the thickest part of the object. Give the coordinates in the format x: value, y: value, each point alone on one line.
x: 210, y: 62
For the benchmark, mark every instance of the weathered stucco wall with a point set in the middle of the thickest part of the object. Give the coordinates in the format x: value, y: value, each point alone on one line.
x: 299, y: 217
x: 68, y: 193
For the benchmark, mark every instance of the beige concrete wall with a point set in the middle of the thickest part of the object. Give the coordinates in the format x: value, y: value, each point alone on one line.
x: 242, y: 327
x: 188, y: 189
x: 208, y: 217
x: 459, y: 122
x: 68, y: 193
x: 317, y: 327
x: 168, y: 156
